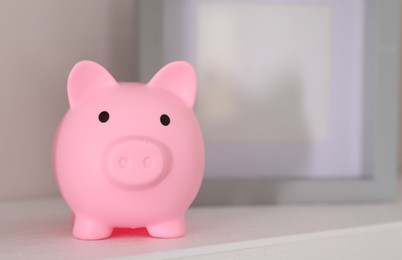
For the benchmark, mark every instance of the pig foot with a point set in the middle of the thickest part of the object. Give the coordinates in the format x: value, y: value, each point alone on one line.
x: 89, y: 229
x: 168, y: 229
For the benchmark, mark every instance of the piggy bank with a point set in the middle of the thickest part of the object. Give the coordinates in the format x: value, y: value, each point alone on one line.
x: 129, y: 155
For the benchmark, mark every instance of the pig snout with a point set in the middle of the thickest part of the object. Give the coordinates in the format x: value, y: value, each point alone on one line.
x: 137, y: 162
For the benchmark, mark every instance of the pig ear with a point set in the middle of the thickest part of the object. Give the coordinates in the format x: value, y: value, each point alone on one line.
x: 178, y: 78
x: 84, y: 77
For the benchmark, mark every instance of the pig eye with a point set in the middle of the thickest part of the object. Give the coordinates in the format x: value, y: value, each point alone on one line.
x: 165, y: 120
x: 103, y: 116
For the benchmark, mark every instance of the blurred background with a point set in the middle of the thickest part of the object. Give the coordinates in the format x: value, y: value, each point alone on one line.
x: 40, y: 42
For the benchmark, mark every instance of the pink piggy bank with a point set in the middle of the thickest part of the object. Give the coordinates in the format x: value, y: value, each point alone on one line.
x: 129, y: 155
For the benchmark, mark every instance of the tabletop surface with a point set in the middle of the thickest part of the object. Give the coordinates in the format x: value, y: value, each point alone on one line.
x: 41, y: 229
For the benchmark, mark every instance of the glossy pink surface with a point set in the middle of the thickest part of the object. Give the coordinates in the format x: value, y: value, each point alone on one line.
x: 129, y: 155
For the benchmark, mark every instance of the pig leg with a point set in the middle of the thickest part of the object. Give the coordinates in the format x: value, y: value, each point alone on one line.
x: 90, y: 229
x: 168, y: 229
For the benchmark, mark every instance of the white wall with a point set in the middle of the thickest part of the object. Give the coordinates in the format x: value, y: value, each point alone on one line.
x: 40, y: 41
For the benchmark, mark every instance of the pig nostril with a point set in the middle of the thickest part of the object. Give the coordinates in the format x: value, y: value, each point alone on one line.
x: 123, y: 162
x: 147, y: 162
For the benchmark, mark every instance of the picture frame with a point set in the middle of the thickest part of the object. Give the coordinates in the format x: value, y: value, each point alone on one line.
x: 164, y: 36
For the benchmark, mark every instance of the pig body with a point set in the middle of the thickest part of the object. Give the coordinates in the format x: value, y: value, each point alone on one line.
x: 129, y: 154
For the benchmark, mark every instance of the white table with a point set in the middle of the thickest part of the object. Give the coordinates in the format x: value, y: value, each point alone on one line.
x: 41, y: 229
